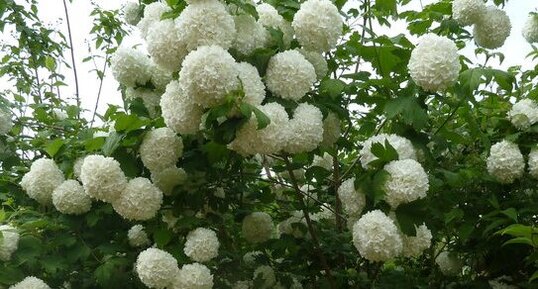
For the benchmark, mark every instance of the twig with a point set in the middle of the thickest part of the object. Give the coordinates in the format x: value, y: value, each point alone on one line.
x: 72, y: 49
x: 102, y: 77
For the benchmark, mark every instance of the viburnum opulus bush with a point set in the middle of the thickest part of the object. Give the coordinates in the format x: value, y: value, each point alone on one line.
x: 278, y: 144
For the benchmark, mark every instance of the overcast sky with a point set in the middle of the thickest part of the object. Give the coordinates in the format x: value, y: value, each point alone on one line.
x: 51, y: 12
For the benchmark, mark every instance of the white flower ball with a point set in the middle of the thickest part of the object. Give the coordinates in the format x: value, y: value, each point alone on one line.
x: 249, y: 140
x: 132, y: 13
x: 5, y: 122
x: 523, y: 114
x: 208, y: 74
x: 318, y: 25
x: 289, y: 75
x: 434, y: 63
x: 160, y: 77
x: 267, y: 275
x: 204, y: 23
x: 530, y: 30
x: 243, y: 285
x: 353, y: 201
x: 70, y: 198
x: 156, y: 268
x: 250, y: 257
x: 252, y: 83
x: 403, y: 147
x: 413, y: 246
x: 9, y: 242
x: 102, y: 178
x: 497, y: 284
x: 492, y: 29
x: 30, y: 283
x: 77, y: 166
x: 257, y: 227
x: 318, y: 61
x: 179, y: 111
x: 331, y: 130
x: 376, y: 237
x: 193, y: 276
x: 39, y: 183
x: 250, y: 36
x: 533, y: 163
x: 325, y: 161
x: 305, y: 129
x: 149, y: 97
x: 130, y: 66
x: 505, y: 162
x: 407, y: 182
x: 202, y: 245
x: 59, y: 114
x: 269, y: 17
x: 152, y: 15
x: 449, y: 264
x: 167, y: 179
x: 287, y: 226
x: 467, y: 12
x: 138, y: 237
x: 165, y: 46
x: 139, y: 201
x: 325, y: 213
x: 161, y: 149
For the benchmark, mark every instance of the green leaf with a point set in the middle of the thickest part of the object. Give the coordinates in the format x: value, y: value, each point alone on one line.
x: 50, y: 63
x: 519, y: 240
x: 410, y: 215
x: 112, y: 142
x: 332, y: 87
x: 129, y: 123
x: 54, y: 146
x: 533, y: 277
x: 263, y: 120
x: 510, y: 213
x: 162, y: 237
x: 409, y: 109
x: 388, y: 6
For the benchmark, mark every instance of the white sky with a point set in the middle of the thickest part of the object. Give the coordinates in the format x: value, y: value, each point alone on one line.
x: 51, y: 11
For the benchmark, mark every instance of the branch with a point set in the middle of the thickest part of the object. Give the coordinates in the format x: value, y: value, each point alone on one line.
x: 72, y: 49
x: 102, y: 77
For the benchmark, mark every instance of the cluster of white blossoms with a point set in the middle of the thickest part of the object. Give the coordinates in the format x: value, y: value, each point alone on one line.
x: 131, y: 13
x: 449, y: 264
x: 140, y: 200
x: 499, y: 283
x: 152, y: 15
x: 102, y: 178
x: 269, y: 17
x: 156, y: 268
x: 5, y: 122
x: 305, y: 129
x: 413, y: 246
x: 180, y: 112
x: 523, y: 114
x: 30, y: 282
x: 289, y: 227
x: 137, y: 236
x: 530, y: 30
x: 266, y: 274
x: 257, y: 227
x: 492, y: 29
x: 505, y: 162
x: 325, y: 161
x: 166, y: 180
x: 467, y: 12
x: 161, y: 148
x: 9, y: 242
x: 376, y: 237
x: 202, y: 245
x: 331, y: 130
x: 434, y: 64
x: 403, y: 147
x: 70, y: 198
x: 290, y: 75
x: 353, y: 201
x: 533, y: 162
x: 193, y: 276
x: 130, y: 66
x: 407, y: 182
x: 39, y: 183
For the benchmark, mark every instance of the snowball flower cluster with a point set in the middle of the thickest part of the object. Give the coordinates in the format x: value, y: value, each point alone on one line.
x: 305, y: 129
x: 407, y: 181
x: 434, y: 63
x: 140, y: 200
x: 165, y: 47
x: 179, y: 111
x: 505, y: 162
x: 9, y: 242
x: 206, y: 22
x: 492, y: 29
x: 202, y: 245
x: 257, y: 227
x: 448, y: 263
x: 331, y: 130
x: 166, y: 180
x: 156, y: 268
x: 102, y: 178
x: 467, y: 12
x: 266, y: 274
x: 376, y: 237
x: 353, y: 201
x: 325, y: 161
x: 289, y: 75
x: 244, y: 284
x: 403, y: 147
x: 152, y: 15
x: 530, y: 30
x: 317, y: 60
x: 30, y: 282
x: 208, y: 74
x: 269, y: 17
x: 39, y: 183
x: 250, y: 36
x: 318, y: 25
x: 523, y: 114
x: 131, y: 13
x: 413, y: 246
x: 150, y: 98
x: 70, y: 198
x: 161, y: 149
x: 533, y: 163
x: 77, y: 166
x: 288, y: 226
x: 130, y: 66
x: 137, y: 236
x: 252, y: 83
x: 5, y: 122
x: 250, y: 257
x: 193, y: 276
